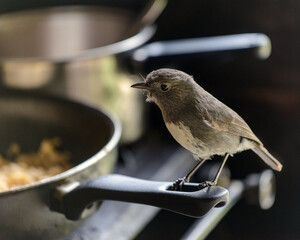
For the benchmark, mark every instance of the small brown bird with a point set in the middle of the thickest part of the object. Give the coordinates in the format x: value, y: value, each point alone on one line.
x: 200, y: 122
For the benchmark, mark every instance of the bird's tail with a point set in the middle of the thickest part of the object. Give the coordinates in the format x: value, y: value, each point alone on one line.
x: 268, y: 158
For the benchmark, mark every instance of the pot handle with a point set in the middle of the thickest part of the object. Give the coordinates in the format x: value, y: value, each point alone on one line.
x: 257, y: 45
x: 191, y: 201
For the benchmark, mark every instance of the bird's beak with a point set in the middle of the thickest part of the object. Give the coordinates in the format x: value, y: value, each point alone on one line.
x: 140, y: 85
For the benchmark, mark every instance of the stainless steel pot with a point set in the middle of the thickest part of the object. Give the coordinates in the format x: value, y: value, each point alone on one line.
x: 71, y: 51
x: 34, y: 211
x: 76, y: 51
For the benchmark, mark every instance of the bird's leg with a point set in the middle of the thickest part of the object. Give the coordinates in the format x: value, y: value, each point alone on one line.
x: 194, y: 169
x: 179, y: 182
x: 215, y: 181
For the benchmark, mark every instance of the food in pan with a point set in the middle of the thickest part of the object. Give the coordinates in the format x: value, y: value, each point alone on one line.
x: 17, y: 169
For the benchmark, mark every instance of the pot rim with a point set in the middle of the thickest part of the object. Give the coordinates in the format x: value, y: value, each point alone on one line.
x: 110, y: 145
x: 141, y: 37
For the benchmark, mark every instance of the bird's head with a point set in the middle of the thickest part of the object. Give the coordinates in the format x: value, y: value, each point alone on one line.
x: 167, y: 87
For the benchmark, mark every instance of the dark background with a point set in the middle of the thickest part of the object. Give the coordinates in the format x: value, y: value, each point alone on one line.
x: 265, y: 93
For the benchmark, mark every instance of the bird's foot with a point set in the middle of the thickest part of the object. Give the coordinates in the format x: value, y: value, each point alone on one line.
x: 178, y: 184
x: 207, y: 184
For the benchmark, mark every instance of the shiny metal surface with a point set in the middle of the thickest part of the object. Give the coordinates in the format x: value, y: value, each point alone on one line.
x: 71, y: 51
x: 91, y: 137
x: 65, y: 33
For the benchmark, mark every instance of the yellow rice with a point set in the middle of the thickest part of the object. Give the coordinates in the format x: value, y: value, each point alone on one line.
x: 19, y: 169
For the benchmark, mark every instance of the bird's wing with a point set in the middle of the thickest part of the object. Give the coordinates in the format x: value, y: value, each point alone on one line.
x: 227, y: 120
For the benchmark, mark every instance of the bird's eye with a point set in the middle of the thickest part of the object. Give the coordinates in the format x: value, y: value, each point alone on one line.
x: 164, y: 87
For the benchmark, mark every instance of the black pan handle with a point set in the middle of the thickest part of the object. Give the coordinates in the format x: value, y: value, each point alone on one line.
x: 259, y: 43
x: 206, y: 49
x: 191, y: 201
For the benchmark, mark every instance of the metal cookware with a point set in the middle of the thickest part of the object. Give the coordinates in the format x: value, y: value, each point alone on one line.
x: 34, y: 211
x: 90, y: 135
x: 71, y: 51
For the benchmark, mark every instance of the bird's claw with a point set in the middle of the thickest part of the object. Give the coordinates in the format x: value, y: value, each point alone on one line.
x: 210, y: 183
x: 178, y: 184
x: 207, y: 184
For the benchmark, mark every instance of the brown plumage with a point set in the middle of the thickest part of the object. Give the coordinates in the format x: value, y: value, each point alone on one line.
x: 198, y: 121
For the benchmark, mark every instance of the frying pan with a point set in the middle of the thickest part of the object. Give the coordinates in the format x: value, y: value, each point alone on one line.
x: 53, y: 207
x: 88, y: 134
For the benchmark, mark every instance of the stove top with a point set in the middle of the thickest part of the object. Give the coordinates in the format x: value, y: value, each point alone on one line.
x: 155, y: 161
